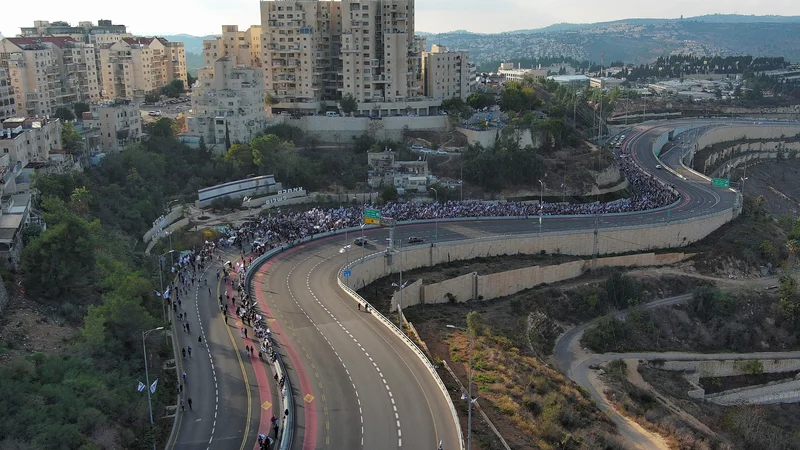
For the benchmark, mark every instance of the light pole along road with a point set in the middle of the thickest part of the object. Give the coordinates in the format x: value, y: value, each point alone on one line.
x: 358, y: 385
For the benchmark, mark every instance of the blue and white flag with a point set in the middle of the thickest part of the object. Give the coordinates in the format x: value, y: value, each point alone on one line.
x: 153, y: 386
x: 140, y: 387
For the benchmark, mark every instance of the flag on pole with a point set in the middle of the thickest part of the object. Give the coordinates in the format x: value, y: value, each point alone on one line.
x: 401, y: 287
x: 140, y: 387
x: 158, y: 294
x: 153, y: 386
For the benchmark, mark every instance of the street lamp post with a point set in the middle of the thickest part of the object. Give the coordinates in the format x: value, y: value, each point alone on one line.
x: 161, y: 282
x: 147, y: 375
x: 436, y: 236
x: 469, y: 386
x: 541, y: 204
x: 461, y: 180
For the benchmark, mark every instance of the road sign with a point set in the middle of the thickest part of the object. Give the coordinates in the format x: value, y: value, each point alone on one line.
x: 347, y: 273
x: 372, y: 216
x: 720, y: 182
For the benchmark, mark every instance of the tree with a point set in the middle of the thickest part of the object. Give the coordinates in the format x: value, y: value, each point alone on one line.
x: 479, y: 100
x: 65, y: 114
x: 190, y: 80
x: 241, y: 155
x: 70, y: 139
x: 161, y: 128
x: 174, y: 89
x: 270, y: 100
x: 61, y: 260
x: 80, y: 108
x: 457, y: 108
x: 152, y: 97
x: 348, y: 103
x: 475, y: 323
x: 388, y: 193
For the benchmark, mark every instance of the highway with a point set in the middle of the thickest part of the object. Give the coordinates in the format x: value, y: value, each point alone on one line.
x: 356, y: 384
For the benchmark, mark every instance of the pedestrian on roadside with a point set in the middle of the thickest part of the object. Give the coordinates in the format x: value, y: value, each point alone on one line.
x: 183, y: 351
x: 180, y: 389
x: 182, y: 407
x: 200, y: 339
x: 189, y: 401
x: 189, y: 349
x: 188, y: 330
x: 184, y: 377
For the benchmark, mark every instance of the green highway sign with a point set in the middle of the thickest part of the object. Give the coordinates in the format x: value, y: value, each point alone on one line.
x: 720, y: 182
x: 372, y: 216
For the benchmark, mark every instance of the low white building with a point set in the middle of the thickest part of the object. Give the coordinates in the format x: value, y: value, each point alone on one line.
x: 227, y: 103
x: 510, y: 73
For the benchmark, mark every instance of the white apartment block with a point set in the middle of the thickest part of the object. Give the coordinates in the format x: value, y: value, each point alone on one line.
x: 27, y: 140
x: 134, y: 67
x: 117, y: 123
x: 298, y: 46
x: 8, y: 105
x: 316, y: 52
x: 510, y: 73
x: 49, y: 72
x: 228, y: 103
x: 101, y: 35
x: 447, y: 73
x: 242, y: 47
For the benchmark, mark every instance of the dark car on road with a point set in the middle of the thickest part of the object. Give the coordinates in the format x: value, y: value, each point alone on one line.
x: 360, y: 241
x: 415, y: 240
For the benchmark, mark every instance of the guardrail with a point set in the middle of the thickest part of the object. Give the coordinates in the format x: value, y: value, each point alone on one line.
x: 392, y: 327
x: 288, y: 399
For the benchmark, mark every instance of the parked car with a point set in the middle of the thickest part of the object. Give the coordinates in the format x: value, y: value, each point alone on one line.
x: 415, y: 240
x: 441, y: 152
x: 154, y: 113
x: 417, y: 148
x: 332, y: 114
x: 360, y: 241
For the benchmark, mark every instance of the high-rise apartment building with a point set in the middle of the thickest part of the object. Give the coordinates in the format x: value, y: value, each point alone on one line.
x: 227, y: 103
x: 49, y: 72
x: 8, y: 105
x: 297, y: 39
x: 101, y: 35
x: 447, y: 73
x: 61, y: 28
x: 316, y: 52
x: 242, y: 47
x: 134, y: 67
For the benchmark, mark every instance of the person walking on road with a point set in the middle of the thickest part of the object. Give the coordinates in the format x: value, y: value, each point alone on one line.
x: 183, y: 351
x: 200, y: 339
x: 189, y: 349
x: 184, y: 377
x: 189, y: 401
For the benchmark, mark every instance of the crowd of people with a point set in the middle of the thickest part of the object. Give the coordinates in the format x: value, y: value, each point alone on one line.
x: 287, y: 227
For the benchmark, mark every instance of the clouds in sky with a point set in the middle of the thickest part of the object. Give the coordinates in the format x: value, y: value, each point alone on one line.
x: 201, y: 17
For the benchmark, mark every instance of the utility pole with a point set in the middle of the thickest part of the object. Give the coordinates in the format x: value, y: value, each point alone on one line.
x: 596, y: 246
x: 147, y: 375
x: 541, y: 205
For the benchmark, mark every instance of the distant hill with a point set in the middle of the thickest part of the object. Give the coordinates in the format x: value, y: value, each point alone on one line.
x: 635, y: 40
x: 193, y: 44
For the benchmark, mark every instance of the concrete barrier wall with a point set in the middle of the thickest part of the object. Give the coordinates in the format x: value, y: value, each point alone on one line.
x: 615, y: 240
x: 727, y: 368
x: 460, y: 288
x: 766, y: 394
x: 338, y: 130
x: 501, y: 284
x: 175, y: 214
x: 738, y: 132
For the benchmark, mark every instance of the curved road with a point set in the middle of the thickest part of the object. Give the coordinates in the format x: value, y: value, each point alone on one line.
x: 358, y: 385
x: 355, y: 383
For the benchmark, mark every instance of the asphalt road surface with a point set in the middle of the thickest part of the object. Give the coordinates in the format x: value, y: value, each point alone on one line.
x: 355, y: 384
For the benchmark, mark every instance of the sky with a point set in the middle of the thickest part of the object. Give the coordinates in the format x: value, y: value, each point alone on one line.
x: 203, y: 17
